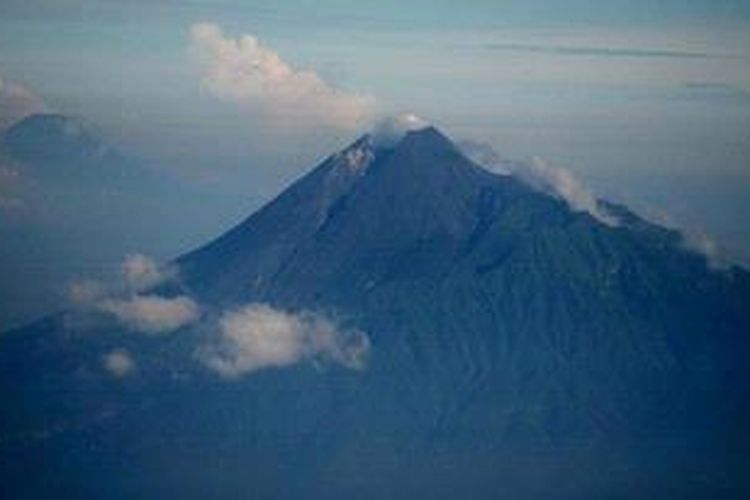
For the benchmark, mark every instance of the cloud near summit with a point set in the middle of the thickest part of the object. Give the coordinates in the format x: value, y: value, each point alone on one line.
x: 244, y: 71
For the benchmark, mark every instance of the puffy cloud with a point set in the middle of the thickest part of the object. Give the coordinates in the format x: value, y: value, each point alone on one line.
x: 537, y: 173
x: 249, y: 339
x: 152, y: 314
x: 139, y: 312
x: 245, y: 71
x: 17, y: 102
x: 138, y: 272
x: 258, y: 336
x: 141, y: 272
x: 146, y: 313
x: 119, y: 363
x: 390, y: 130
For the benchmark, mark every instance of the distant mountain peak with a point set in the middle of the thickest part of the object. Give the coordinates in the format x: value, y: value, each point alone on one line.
x: 53, y: 123
x: 49, y: 137
x: 67, y: 151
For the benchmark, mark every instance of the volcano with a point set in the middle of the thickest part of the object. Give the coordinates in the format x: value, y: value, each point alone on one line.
x: 518, y: 348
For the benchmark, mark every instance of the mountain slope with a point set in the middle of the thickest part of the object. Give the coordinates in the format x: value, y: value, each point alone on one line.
x: 518, y: 349
x: 478, y: 280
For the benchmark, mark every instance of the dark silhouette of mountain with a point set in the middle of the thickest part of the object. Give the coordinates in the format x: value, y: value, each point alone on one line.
x: 62, y: 149
x: 519, y: 349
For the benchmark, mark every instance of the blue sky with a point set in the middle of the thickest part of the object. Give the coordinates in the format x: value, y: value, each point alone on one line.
x: 648, y: 102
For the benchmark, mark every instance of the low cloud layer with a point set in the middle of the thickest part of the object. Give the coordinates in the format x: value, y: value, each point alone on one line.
x: 243, y: 341
x: 258, y: 336
x: 119, y: 363
x: 540, y: 175
x: 244, y: 71
x: 16, y: 103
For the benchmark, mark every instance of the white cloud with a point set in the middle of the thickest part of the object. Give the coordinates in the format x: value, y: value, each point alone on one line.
x: 564, y: 184
x: 243, y: 70
x: 16, y: 103
x: 258, y: 336
x: 138, y: 272
x: 119, y: 363
x: 142, y: 272
x: 540, y: 175
x: 251, y: 338
x: 141, y: 312
x: 152, y: 314
x: 389, y: 131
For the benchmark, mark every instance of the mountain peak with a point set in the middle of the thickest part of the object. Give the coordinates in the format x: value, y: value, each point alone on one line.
x: 428, y: 137
x: 49, y: 137
x: 361, y: 153
x: 390, y: 131
x: 51, y: 123
x: 498, y: 321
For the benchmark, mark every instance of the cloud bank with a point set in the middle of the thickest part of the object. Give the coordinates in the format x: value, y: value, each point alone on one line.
x: 258, y: 336
x: 244, y: 71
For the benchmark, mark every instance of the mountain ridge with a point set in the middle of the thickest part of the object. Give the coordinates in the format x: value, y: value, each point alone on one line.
x: 502, y: 324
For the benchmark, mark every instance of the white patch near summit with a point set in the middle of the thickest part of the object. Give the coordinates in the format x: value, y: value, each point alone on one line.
x: 389, y: 131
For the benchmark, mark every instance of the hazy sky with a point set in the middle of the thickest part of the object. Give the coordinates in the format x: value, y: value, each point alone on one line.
x: 648, y: 102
